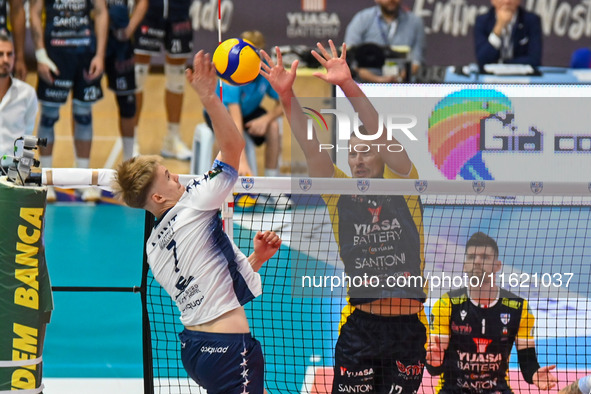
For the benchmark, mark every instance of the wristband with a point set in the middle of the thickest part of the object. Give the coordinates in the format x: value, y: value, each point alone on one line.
x: 42, y: 57
x: 528, y: 363
x: 435, y: 371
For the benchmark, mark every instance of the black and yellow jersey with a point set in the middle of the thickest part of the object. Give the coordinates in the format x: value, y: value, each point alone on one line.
x: 379, y: 236
x: 480, y: 340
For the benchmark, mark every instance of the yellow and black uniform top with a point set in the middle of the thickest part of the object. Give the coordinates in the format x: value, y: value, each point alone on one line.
x: 480, y: 340
x: 379, y: 236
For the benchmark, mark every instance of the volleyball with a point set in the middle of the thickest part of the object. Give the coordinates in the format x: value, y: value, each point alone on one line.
x: 237, y: 61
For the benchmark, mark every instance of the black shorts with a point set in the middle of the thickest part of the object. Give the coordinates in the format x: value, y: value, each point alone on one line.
x: 119, y: 66
x: 73, y: 66
x: 174, y: 34
x: 378, y: 354
x: 257, y: 113
x: 223, y: 363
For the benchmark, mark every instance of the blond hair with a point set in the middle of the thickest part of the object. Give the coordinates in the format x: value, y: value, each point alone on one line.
x: 255, y: 37
x: 133, y: 179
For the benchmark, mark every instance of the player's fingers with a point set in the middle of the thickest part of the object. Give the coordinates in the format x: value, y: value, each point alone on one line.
x: 318, y: 57
x: 333, y: 49
x: 189, y: 74
x: 266, y: 58
x: 323, y: 50
x: 320, y: 75
x: 197, y: 61
x: 270, y: 236
x: 273, y: 239
x: 279, y: 57
x: 344, y: 51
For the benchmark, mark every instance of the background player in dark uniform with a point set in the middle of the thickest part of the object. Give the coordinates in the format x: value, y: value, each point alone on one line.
x: 473, y: 330
x: 119, y: 65
x: 18, y: 30
x: 381, y: 346
x: 167, y: 25
x: 70, y: 54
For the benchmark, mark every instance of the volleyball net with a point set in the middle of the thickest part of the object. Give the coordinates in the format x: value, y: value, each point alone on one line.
x: 542, y: 229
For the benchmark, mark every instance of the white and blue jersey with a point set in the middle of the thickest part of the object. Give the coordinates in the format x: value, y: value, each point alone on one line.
x: 194, y: 260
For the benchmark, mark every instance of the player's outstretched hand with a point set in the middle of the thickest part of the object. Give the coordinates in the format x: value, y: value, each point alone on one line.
x: 544, y: 379
x: 202, y: 77
x: 337, y: 69
x: 435, y: 353
x: 280, y: 79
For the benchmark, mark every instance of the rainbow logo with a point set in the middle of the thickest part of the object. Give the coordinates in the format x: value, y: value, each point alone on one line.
x: 454, y: 131
x: 316, y: 117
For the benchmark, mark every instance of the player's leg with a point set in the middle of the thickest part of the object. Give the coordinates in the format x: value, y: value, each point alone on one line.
x: 85, y: 94
x: 174, y: 74
x: 253, y: 141
x: 179, y: 47
x: 148, y: 42
x: 142, y: 68
x: 403, y: 354
x: 50, y: 113
x: 223, y: 363
x: 355, y: 355
x: 51, y: 97
x: 119, y: 67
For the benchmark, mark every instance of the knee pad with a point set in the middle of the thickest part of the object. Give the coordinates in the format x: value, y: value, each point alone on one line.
x: 82, y: 121
x: 175, y: 78
x: 126, y: 104
x: 49, y: 115
x: 141, y: 73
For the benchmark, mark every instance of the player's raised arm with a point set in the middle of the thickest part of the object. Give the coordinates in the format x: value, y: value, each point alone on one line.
x: 319, y: 162
x: 338, y: 73
x: 203, y: 79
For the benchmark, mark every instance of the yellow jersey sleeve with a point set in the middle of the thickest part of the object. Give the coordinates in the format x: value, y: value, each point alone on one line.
x: 526, y: 325
x: 440, y: 316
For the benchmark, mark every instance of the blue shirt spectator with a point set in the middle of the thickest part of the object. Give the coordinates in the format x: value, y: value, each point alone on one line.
x: 388, y: 24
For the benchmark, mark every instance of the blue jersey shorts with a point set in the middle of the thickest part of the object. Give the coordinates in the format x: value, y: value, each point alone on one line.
x: 223, y: 363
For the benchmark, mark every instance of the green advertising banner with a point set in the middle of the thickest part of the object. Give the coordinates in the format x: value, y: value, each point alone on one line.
x: 25, y: 290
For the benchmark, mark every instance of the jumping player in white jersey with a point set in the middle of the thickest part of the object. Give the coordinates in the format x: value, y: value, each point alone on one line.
x: 203, y: 271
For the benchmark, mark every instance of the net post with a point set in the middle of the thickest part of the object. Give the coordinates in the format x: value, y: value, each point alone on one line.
x: 148, y: 367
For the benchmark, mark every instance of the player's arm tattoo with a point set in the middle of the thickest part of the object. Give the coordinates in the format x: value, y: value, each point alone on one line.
x: 572, y: 388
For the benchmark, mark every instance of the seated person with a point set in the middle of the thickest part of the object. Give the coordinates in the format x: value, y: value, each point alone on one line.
x: 386, y: 24
x: 244, y: 105
x: 508, y: 33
